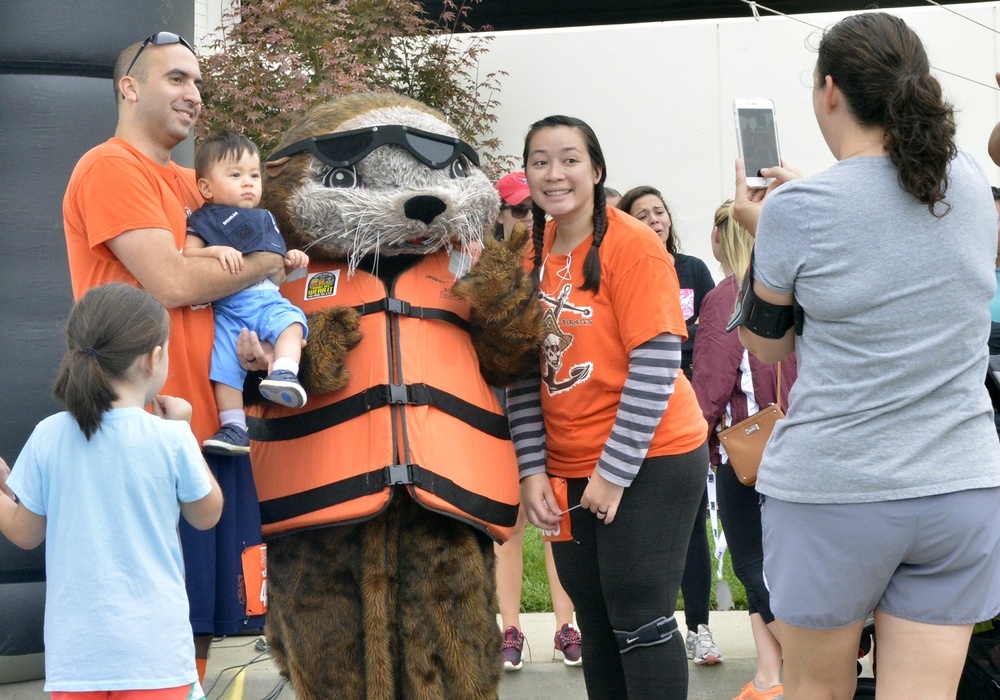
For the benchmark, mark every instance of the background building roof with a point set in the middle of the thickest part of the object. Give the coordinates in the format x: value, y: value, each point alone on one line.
x: 503, y: 15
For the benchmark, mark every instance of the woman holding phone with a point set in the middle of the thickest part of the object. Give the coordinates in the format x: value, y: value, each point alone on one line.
x: 609, y: 438
x: 881, y: 485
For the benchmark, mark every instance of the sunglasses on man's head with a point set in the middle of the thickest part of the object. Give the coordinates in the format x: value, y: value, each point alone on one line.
x: 518, y: 212
x: 159, y: 39
x: 345, y: 148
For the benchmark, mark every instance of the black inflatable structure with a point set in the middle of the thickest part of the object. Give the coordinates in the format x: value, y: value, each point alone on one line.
x: 56, y: 58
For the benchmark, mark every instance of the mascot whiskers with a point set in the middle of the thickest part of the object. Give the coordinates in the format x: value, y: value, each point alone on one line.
x: 380, y: 499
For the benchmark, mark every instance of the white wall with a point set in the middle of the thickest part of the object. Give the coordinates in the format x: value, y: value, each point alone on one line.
x: 659, y: 95
x: 208, y: 18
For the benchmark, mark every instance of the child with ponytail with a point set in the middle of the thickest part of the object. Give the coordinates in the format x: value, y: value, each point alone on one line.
x: 609, y: 438
x: 104, y: 483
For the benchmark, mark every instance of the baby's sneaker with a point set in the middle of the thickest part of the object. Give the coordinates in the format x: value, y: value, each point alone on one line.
x: 282, y: 386
x: 231, y: 440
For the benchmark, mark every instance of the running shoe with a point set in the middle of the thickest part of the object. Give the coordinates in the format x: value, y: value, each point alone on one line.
x: 568, y: 642
x: 705, y: 651
x: 513, y: 645
x: 750, y: 692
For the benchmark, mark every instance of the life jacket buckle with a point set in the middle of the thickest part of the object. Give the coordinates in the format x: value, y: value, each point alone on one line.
x: 397, y: 306
x: 398, y: 394
x: 401, y: 474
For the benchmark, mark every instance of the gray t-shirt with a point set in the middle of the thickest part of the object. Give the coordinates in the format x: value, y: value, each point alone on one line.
x: 890, y: 401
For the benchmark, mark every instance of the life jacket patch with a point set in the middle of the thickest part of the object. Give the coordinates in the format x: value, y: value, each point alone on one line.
x: 322, y: 284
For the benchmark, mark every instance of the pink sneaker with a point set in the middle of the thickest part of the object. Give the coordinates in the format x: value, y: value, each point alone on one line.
x: 568, y: 642
x: 513, y: 644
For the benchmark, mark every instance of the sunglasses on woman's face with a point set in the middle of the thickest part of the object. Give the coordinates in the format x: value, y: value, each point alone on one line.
x: 518, y: 212
x: 159, y: 39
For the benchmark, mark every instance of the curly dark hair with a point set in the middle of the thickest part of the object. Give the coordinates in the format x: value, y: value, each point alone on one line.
x: 881, y: 67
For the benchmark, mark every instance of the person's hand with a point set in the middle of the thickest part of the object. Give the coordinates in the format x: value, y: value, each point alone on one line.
x: 747, y: 202
x: 540, y: 502
x: 4, y: 473
x: 231, y: 259
x: 253, y: 354
x: 601, y: 498
x: 172, y: 408
x: 295, y: 259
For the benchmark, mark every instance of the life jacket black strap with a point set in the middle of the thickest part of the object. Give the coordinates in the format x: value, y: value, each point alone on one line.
x: 476, y: 505
x: 302, y: 424
x: 403, y: 308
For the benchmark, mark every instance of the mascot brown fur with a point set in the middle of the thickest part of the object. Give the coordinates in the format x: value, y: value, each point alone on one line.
x: 388, y: 590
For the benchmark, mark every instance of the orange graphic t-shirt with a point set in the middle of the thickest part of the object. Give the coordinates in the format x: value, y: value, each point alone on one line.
x: 587, y: 339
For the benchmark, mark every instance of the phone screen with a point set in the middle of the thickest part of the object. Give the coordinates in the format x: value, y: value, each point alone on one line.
x: 759, y: 139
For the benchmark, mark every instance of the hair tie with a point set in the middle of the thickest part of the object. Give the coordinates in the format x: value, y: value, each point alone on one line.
x: 90, y: 351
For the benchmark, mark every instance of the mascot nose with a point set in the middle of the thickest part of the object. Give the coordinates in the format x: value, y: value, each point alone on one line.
x: 423, y: 208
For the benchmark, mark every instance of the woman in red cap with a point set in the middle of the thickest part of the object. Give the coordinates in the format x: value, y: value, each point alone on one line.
x: 515, y: 204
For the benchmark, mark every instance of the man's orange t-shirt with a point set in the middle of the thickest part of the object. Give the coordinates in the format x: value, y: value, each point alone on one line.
x: 587, y: 339
x: 115, y: 188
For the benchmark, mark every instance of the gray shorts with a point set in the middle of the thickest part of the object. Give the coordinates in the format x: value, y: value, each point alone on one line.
x: 934, y: 559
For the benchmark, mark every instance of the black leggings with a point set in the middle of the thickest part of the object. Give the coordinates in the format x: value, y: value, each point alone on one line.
x: 624, y: 575
x: 696, y: 585
x: 739, y: 510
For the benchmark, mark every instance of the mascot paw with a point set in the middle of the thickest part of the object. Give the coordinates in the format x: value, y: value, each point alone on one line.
x: 333, y: 333
x: 506, y: 316
x: 497, y: 284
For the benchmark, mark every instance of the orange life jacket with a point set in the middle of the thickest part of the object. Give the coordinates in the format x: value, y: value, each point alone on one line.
x: 416, y: 413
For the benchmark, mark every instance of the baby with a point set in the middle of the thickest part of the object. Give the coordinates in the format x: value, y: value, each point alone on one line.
x: 227, y: 227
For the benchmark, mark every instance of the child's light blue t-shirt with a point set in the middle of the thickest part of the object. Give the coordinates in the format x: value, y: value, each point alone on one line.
x: 116, y: 610
x: 995, y: 301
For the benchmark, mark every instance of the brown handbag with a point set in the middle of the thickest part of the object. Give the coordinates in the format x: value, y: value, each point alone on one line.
x: 745, y: 441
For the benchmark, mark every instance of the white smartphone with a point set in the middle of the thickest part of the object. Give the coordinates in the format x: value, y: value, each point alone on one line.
x: 756, y: 138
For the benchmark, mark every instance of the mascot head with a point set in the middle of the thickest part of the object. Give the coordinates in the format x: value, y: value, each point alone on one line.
x: 377, y: 174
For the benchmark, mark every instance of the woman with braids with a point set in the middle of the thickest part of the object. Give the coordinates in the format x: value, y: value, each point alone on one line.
x: 610, y: 439
x: 880, y: 487
x: 104, y: 483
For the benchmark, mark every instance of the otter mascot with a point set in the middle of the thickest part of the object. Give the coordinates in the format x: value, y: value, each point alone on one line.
x: 381, y: 497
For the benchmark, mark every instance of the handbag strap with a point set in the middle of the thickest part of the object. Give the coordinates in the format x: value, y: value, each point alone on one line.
x: 777, y: 395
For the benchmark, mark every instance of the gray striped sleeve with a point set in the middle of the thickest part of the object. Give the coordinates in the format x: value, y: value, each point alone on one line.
x: 652, y: 369
x: 527, y: 427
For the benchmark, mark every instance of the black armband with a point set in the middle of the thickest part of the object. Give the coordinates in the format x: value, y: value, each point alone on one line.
x: 762, y: 317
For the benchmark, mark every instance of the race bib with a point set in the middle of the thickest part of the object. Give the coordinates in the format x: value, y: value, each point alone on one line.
x: 562, y: 533
x: 255, y: 578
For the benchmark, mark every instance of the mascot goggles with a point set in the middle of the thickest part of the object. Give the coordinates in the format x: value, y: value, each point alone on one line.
x: 342, y: 149
x: 159, y: 39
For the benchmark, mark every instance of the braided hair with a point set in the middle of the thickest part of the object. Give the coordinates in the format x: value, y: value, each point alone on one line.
x: 592, y: 263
